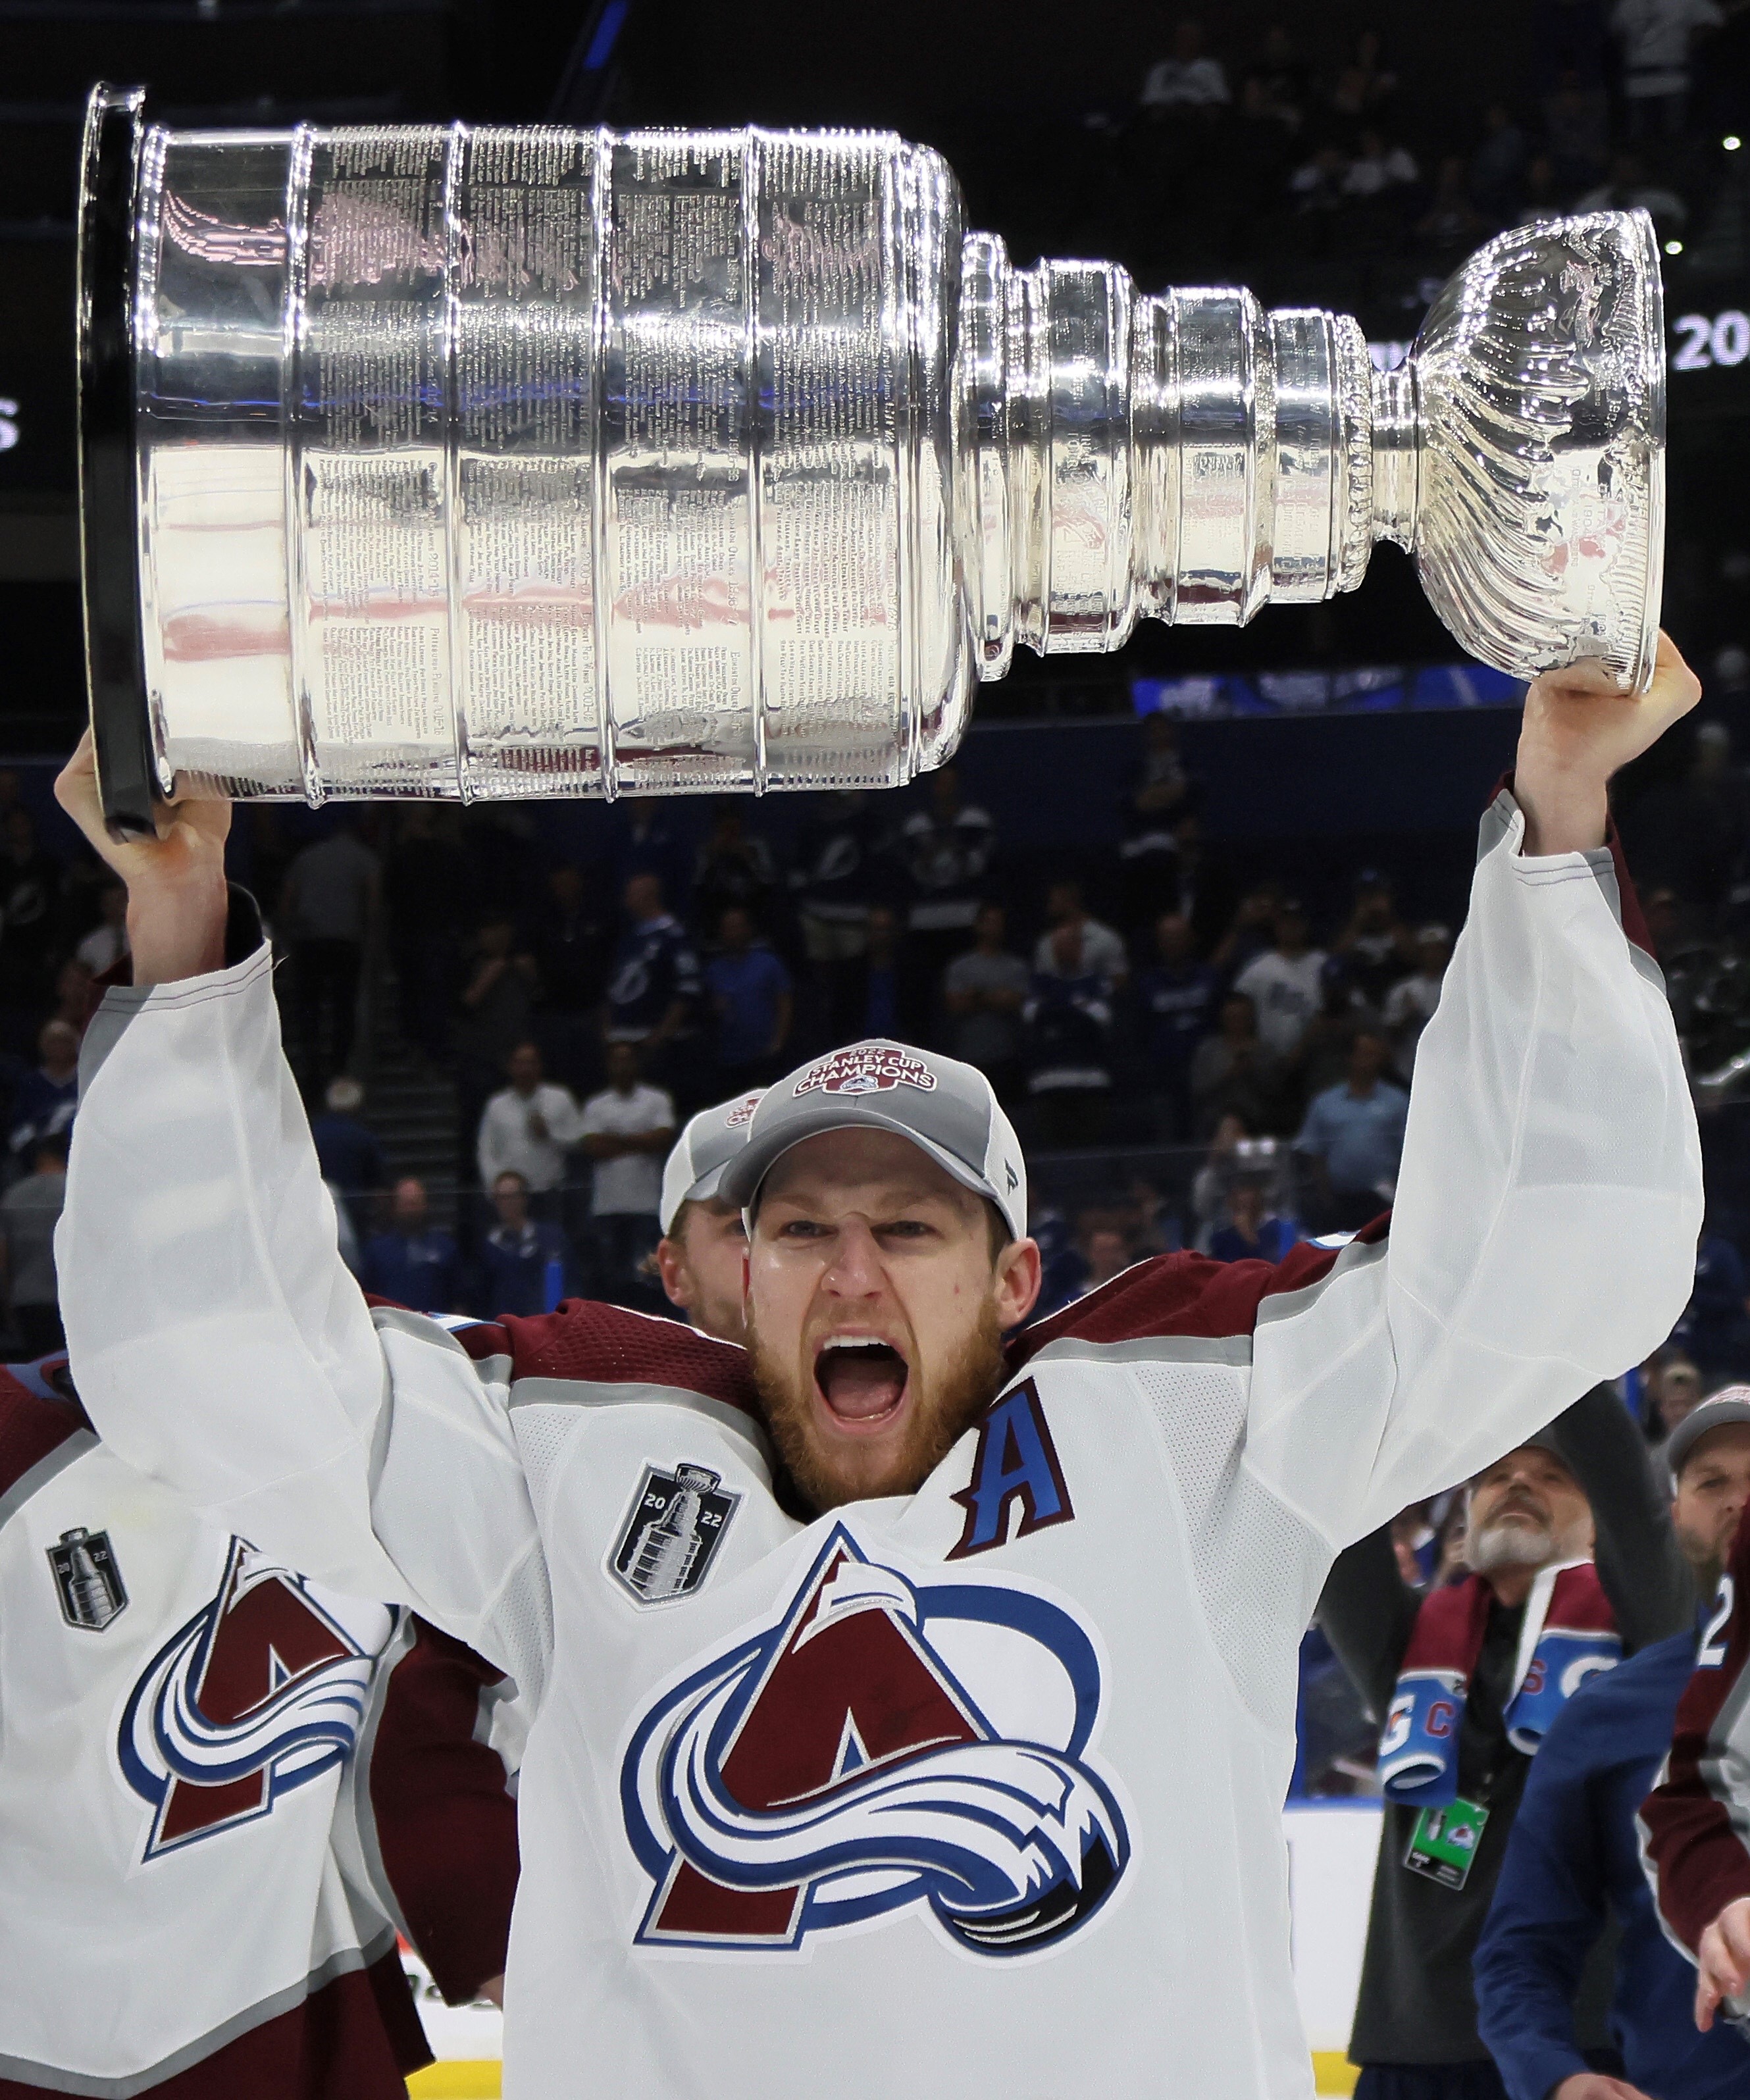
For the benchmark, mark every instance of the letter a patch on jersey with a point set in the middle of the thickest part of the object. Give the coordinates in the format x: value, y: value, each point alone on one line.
x: 835, y: 1768
x: 1016, y: 1465
x: 261, y: 1691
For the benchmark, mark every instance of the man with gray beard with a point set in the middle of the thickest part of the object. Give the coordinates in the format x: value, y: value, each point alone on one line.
x: 1573, y: 1564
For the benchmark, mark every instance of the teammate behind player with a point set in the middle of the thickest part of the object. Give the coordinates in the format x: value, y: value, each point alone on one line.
x: 701, y: 1255
x: 222, y: 1789
x: 926, y: 1700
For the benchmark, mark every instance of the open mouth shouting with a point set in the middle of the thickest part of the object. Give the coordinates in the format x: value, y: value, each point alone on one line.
x: 861, y: 1382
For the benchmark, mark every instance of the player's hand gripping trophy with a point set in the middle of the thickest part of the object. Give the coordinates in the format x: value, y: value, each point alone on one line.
x: 488, y: 463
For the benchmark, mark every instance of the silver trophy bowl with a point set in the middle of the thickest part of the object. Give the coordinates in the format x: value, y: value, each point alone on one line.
x: 484, y: 463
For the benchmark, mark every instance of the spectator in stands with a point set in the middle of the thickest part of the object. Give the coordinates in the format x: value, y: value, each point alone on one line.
x: 628, y: 1127
x: 1657, y: 37
x: 701, y: 1255
x: 1316, y: 185
x: 1543, y: 192
x: 874, y: 998
x: 1410, y: 1004
x: 528, y: 1128
x: 1573, y: 1865
x: 1715, y: 1328
x: 1068, y: 1043
x: 1539, y: 1508
x: 1367, y: 85
x: 1673, y: 1392
x: 525, y: 1265
x: 1281, y: 73
x: 47, y: 1099
x: 426, y: 891
x: 107, y: 942
x: 1379, y: 165
x: 1450, y: 225
x: 647, y: 841
x: 653, y: 987
x: 72, y: 1000
x: 1234, y: 1072
x: 497, y: 1013
x: 1374, y: 941
x: 327, y: 905
x: 755, y: 1000
x: 348, y: 1150
x: 833, y: 882
x: 570, y: 946
x: 413, y: 1262
x: 1203, y: 890
x: 735, y: 865
x: 1252, y: 1233
x: 947, y: 847
x: 983, y: 994
x: 1148, y: 852
x: 1109, y: 1255
x: 1189, y: 80
x: 29, y: 885
x: 1497, y: 166
x: 1328, y: 1041
x: 1576, y: 129
x: 29, y: 1212
x: 1354, y: 1131
x: 1097, y: 947
x: 1176, y: 1000
x: 1285, y: 983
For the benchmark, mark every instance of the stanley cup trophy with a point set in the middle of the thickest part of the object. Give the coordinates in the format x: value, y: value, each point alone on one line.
x: 484, y: 463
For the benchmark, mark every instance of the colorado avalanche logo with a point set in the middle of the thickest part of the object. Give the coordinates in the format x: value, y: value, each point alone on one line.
x: 835, y: 1768
x: 263, y: 1691
x: 870, y: 1068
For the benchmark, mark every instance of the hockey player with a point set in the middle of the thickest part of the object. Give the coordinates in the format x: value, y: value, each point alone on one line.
x: 222, y: 1789
x: 1694, y: 1826
x: 908, y: 1717
x: 701, y: 1255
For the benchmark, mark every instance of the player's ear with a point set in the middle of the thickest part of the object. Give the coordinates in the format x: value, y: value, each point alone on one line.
x: 677, y: 1280
x: 1016, y: 1285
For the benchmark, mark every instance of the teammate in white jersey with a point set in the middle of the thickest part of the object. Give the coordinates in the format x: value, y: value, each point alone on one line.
x: 222, y: 1789
x: 911, y: 1716
x: 702, y: 1255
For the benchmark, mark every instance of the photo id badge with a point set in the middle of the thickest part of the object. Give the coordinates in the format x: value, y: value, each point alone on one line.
x: 1443, y: 1843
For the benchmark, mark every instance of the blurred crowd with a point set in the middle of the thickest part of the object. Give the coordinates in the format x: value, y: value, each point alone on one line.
x: 1288, y: 157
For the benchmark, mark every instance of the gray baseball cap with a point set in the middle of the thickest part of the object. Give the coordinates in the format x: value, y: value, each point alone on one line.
x: 1731, y: 1403
x: 946, y: 1109
x: 693, y: 1173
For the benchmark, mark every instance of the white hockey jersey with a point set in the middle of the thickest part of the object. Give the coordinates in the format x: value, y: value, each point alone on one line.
x: 219, y: 1787
x: 974, y: 1790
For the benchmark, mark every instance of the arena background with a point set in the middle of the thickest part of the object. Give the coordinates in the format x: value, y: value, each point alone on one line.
x: 1317, y: 750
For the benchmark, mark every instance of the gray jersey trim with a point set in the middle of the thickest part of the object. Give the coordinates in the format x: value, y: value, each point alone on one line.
x: 1724, y: 1750
x: 400, y: 1645
x: 53, y: 2078
x: 591, y: 1392
x: 1290, y: 1304
x: 417, y: 1325
x: 122, y: 1004
x: 1497, y: 820
x: 1234, y: 1349
x: 57, y: 1461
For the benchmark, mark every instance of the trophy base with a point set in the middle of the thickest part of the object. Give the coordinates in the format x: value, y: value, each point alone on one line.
x: 108, y: 495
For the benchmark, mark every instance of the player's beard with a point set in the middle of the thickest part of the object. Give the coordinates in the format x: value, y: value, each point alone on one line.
x: 939, y: 1409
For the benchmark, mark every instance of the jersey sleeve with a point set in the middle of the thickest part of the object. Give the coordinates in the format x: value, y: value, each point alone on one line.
x: 1694, y: 1826
x: 1548, y: 1205
x: 222, y: 1349
x: 445, y: 1823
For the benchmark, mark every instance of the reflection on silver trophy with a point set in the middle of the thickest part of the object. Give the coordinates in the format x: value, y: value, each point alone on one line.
x: 493, y: 463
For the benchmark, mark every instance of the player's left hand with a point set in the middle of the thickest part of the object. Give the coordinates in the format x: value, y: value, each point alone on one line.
x: 1724, y: 1960
x: 1580, y: 729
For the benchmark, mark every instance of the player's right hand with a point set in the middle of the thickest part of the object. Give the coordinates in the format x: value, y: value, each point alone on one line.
x: 1723, y: 1958
x: 177, y: 898
x: 1594, y: 2086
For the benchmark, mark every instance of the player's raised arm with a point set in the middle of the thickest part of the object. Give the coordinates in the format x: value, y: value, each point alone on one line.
x: 198, y: 1258
x: 1549, y: 1196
